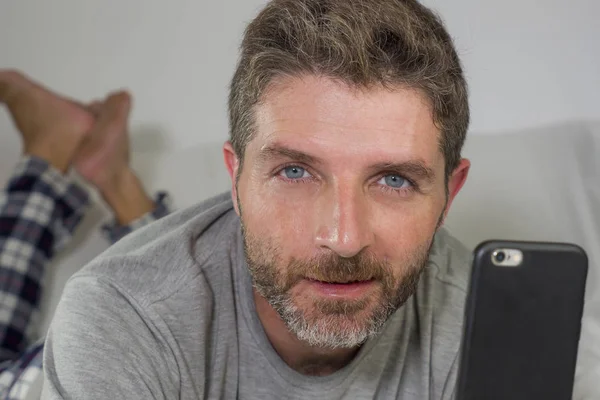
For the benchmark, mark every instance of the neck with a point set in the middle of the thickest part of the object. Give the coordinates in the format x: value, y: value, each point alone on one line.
x: 301, y: 357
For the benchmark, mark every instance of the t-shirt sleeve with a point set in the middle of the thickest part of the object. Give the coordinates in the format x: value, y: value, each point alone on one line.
x: 103, y: 345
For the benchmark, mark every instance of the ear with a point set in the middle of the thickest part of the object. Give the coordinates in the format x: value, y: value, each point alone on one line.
x: 456, y: 182
x: 232, y: 163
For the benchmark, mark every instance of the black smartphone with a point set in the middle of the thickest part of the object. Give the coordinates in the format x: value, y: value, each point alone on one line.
x: 522, y: 321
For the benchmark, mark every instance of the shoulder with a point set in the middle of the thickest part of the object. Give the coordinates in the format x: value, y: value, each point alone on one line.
x: 441, y: 299
x: 443, y: 288
x: 450, y: 260
x: 161, y: 258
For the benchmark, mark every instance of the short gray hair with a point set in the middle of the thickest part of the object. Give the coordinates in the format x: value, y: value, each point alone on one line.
x: 364, y: 43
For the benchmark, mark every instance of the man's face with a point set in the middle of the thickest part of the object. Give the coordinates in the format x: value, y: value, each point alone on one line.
x: 340, y: 195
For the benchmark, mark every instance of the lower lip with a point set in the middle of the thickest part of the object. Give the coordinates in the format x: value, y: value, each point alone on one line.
x: 345, y: 290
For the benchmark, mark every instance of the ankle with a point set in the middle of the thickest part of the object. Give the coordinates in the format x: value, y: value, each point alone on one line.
x: 56, y: 156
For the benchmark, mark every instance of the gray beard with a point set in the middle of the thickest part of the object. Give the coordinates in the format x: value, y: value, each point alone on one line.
x: 326, y: 332
x: 337, y: 324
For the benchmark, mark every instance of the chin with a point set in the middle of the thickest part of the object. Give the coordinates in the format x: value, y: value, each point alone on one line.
x: 335, y: 323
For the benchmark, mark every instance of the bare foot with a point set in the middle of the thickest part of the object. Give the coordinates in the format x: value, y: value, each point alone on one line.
x: 104, y: 153
x: 52, y: 126
x: 103, y: 160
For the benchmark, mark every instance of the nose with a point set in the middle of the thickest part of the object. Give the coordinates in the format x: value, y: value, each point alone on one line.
x: 343, y: 222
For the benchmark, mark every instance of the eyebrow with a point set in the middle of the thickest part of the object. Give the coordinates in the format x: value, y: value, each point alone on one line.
x: 414, y: 169
x: 270, y: 152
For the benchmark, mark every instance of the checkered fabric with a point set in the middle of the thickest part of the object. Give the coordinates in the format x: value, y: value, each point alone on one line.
x: 39, y: 211
x: 17, y: 379
x: 114, y: 232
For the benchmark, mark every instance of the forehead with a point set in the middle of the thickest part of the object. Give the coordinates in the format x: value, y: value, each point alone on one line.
x: 321, y: 115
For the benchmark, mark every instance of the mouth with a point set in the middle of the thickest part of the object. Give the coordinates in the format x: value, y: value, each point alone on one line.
x: 340, y: 281
x: 348, y: 289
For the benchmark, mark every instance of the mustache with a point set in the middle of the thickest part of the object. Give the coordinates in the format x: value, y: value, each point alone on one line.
x: 333, y: 268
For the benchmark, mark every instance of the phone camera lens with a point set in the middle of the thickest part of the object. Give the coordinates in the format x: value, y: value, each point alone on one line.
x: 500, y: 256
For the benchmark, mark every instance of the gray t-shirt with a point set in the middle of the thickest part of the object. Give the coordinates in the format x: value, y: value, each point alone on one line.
x: 168, y: 313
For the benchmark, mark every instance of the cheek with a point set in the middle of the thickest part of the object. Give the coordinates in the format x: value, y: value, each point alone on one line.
x: 405, y: 231
x: 275, y: 215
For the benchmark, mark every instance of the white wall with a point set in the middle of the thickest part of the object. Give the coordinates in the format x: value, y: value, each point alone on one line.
x: 529, y: 63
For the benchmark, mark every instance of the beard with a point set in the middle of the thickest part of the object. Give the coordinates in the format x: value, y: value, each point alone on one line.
x: 332, y: 323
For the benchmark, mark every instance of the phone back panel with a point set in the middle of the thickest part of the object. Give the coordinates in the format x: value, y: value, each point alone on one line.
x: 522, y: 324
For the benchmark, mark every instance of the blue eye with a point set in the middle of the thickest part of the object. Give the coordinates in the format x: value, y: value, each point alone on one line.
x: 394, y: 181
x: 294, y: 172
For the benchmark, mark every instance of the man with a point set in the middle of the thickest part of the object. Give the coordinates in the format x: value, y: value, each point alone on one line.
x: 42, y: 206
x: 325, y: 272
